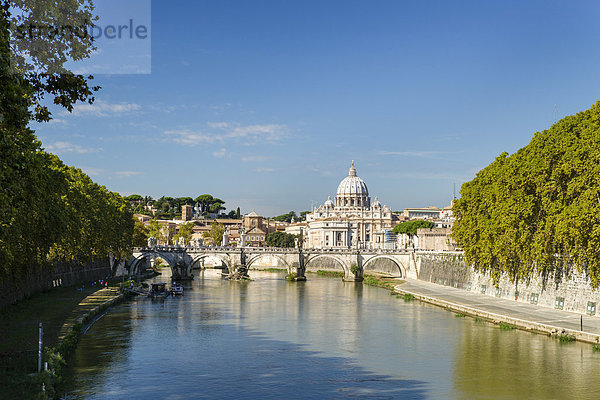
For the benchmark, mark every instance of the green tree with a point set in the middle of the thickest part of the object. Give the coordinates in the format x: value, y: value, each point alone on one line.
x: 281, y: 239
x: 215, y: 234
x: 204, y: 201
x: 537, y: 211
x: 216, y: 207
x: 39, y: 57
x: 153, y: 228
x: 140, y: 234
x: 134, y: 198
x: 286, y: 217
x: 410, y: 227
x: 48, y: 211
x: 185, y: 231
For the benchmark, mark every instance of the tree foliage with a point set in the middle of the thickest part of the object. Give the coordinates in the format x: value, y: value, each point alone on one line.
x: 215, y: 235
x: 537, y: 211
x: 48, y: 211
x: 140, y: 234
x: 410, y: 227
x: 43, y: 35
x: 185, y: 231
x: 281, y: 239
x: 286, y: 217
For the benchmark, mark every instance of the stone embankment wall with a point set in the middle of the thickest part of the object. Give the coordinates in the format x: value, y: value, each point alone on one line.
x: 14, y: 288
x: 568, y: 291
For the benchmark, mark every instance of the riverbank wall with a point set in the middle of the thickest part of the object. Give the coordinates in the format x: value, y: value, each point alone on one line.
x: 57, y: 356
x: 41, y: 277
x: 565, y: 290
x: 526, y: 325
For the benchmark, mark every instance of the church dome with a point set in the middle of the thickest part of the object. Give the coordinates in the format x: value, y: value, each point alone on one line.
x: 352, y: 191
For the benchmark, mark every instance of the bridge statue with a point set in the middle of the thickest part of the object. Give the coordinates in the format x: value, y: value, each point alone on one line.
x: 181, y: 241
x: 151, y: 241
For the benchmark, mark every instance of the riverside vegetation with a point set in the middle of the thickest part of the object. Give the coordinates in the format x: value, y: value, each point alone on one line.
x: 537, y: 211
x: 50, y: 213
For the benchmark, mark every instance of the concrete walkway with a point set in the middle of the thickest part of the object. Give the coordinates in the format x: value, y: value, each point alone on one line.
x: 522, y: 315
x: 86, y: 306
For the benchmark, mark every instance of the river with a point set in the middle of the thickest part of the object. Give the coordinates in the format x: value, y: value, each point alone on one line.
x: 268, y: 338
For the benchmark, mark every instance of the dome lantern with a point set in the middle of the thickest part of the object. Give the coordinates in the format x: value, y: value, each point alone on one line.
x: 352, y: 191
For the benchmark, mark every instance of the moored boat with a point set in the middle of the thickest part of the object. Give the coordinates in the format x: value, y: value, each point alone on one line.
x: 177, y: 289
x: 159, y: 290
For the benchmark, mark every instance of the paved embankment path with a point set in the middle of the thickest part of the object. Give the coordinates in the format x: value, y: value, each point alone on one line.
x: 86, y: 306
x: 522, y: 315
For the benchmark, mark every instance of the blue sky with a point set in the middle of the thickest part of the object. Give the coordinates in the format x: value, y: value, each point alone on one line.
x: 265, y: 103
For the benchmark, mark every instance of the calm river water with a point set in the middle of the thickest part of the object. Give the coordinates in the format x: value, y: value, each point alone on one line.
x: 318, y: 339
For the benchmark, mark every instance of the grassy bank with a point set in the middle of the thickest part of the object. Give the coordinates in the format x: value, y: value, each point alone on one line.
x: 61, y: 312
x: 331, y: 274
x: 385, y: 282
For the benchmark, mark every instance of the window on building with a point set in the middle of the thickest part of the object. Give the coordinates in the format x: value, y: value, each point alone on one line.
x: 559, y: 303
x: 591, y: 308
x: 534, y: 298
x: 498, y: 292
x: 483, y: 289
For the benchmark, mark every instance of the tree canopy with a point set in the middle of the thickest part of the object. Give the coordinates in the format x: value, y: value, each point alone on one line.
x: 185, y: 231
x: 286, y: 217
x: 537, y: 211
x: 48, y: 211
x: 215, y: 235
x: 281, y: 239
x: 410, y: 227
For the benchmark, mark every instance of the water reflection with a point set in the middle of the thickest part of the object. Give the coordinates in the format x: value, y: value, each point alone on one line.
x: 516, y: 364
x: 323, y: 338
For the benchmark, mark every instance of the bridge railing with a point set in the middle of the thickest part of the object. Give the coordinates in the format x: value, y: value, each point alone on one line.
x: 229, y: 249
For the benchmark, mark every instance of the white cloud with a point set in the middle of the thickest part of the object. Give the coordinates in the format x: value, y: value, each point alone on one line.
x: 185, y: 136
x: 125, y: 174
x: 226, y: 131
x: 254, y: 158
x: 92, y: 171
x: 220, y: 153
x: 264, y: 169
x: 417, y: 153
x: 68, y: 147
x: 102, y: 109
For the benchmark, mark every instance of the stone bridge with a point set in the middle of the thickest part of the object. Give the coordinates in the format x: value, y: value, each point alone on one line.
x: 183, y: 259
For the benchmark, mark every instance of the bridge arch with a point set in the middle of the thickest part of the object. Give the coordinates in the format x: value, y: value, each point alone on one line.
x: 310, y: 261
x: 224, y: 259
x: 137, y: 261
x: 369, y: 264
x: 253, y: 258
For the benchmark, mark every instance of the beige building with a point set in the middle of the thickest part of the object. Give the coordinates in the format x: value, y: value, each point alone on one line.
x: 186, y: 212
x: 439, y: 239
x: 256, y: 228
x: 428, y: 213
x: 351, y: 220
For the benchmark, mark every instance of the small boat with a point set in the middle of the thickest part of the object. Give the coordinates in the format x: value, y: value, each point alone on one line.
x: 177, y: 289
x: 159, y: 290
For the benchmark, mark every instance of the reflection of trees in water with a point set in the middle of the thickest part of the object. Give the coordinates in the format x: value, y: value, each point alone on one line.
x: 104, y: 350
x: 493, y: 363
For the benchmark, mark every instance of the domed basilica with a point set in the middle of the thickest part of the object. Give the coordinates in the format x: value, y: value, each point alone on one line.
x: 351, y: 220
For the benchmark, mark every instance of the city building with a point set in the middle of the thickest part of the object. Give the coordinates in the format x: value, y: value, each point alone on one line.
x: 428, y: 213
x: 186, y: 212
x: 438, y: 239
x: 350, y: 220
